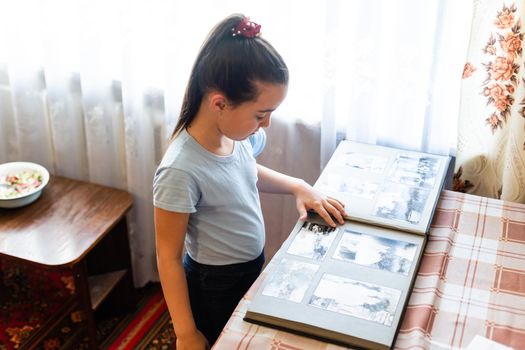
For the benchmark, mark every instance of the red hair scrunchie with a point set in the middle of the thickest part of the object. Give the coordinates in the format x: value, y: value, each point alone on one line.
x: 247, y: 28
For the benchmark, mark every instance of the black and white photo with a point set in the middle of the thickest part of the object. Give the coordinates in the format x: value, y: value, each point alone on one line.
x: 376, y: 252
x: 346, y: 296
x: 365, y: 162
x: 415, y: 171
x: 313, y: 240
x: 348, y: 186
x: 290, y: 280
x: 401, y: 202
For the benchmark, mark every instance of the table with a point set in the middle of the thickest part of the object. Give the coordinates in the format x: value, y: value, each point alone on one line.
x: 77, y: 226
x: 471, y: 281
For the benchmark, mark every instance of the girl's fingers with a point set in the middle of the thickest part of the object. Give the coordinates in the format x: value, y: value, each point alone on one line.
x: 321, y: 210
x: 338, y: 205
x: 334, y: 211
x: 328, y: 209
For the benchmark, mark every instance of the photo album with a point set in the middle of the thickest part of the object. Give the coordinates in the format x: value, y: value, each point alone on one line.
x: 350, y: 285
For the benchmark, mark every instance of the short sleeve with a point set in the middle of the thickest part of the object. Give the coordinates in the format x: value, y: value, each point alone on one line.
x: 258, y: 141
x: 175, y: 190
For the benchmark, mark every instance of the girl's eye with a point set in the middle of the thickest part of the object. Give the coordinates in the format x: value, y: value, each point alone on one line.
x: 261, y: 117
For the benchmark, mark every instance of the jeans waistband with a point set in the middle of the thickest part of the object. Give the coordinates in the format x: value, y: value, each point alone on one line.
x: 196, y: 266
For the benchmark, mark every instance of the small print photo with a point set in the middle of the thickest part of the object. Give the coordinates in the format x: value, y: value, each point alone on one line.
x: 348, y: 185
x: 313, y: 241
x: 401, y: 202
x: 415, y: 171
x: 290, y: 280
x: 367, y: 301
x: 363, y: 161
x: 377, y: 252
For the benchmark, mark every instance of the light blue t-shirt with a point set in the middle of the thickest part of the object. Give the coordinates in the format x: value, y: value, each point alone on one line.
x: 220, y: 193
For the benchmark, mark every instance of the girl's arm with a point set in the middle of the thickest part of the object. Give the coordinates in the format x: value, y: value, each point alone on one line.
x: 307, y: 197
x: 170, y: 230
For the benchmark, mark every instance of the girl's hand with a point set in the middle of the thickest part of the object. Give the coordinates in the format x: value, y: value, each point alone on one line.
x: 307, y: 197
x: 193, y: 341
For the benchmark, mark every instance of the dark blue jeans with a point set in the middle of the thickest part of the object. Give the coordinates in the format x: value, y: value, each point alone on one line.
x: 215, y: 291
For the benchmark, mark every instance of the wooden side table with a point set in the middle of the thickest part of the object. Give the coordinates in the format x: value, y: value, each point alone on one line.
x: 77, y: 226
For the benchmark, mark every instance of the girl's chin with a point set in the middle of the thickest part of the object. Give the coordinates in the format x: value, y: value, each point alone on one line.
x: 242, y: 138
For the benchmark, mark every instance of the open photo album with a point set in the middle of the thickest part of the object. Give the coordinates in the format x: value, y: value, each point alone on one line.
x: 350, y: 284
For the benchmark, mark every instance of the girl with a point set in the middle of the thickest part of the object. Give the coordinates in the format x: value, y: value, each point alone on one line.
x: 206, y: 188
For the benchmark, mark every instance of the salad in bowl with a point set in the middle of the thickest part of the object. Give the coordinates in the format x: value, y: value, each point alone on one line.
x: 21, y: 183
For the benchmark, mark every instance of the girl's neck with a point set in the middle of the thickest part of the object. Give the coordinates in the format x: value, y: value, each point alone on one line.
x: 207, y: 134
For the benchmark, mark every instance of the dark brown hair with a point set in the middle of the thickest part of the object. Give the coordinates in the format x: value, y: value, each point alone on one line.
x: 232, y: 65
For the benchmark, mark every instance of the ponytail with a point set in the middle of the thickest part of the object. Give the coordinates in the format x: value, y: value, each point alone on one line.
x: 231, y: 60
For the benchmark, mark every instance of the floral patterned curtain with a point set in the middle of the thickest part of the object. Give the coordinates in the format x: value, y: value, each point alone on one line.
x: 491, y: 136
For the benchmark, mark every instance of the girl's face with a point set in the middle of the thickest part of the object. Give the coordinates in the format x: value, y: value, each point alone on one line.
x: 239, y: 122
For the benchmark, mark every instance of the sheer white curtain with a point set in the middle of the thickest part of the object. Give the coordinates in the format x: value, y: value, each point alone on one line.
x: 91, y: 89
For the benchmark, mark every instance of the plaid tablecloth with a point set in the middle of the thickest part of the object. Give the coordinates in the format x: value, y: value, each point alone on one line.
x: 471, y: 281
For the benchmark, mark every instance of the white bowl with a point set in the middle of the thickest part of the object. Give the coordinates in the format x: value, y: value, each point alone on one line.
x: 25, y: 198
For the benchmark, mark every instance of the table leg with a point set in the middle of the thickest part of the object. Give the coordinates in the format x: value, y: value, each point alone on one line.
x: 84, y: 300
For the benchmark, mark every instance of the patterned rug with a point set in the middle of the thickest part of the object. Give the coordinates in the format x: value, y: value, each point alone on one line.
x: 149, y: 327
x: 23, y: 309
x: 29, y: 300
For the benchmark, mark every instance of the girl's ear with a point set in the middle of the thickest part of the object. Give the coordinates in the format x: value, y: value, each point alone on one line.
x: 218, y: 102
